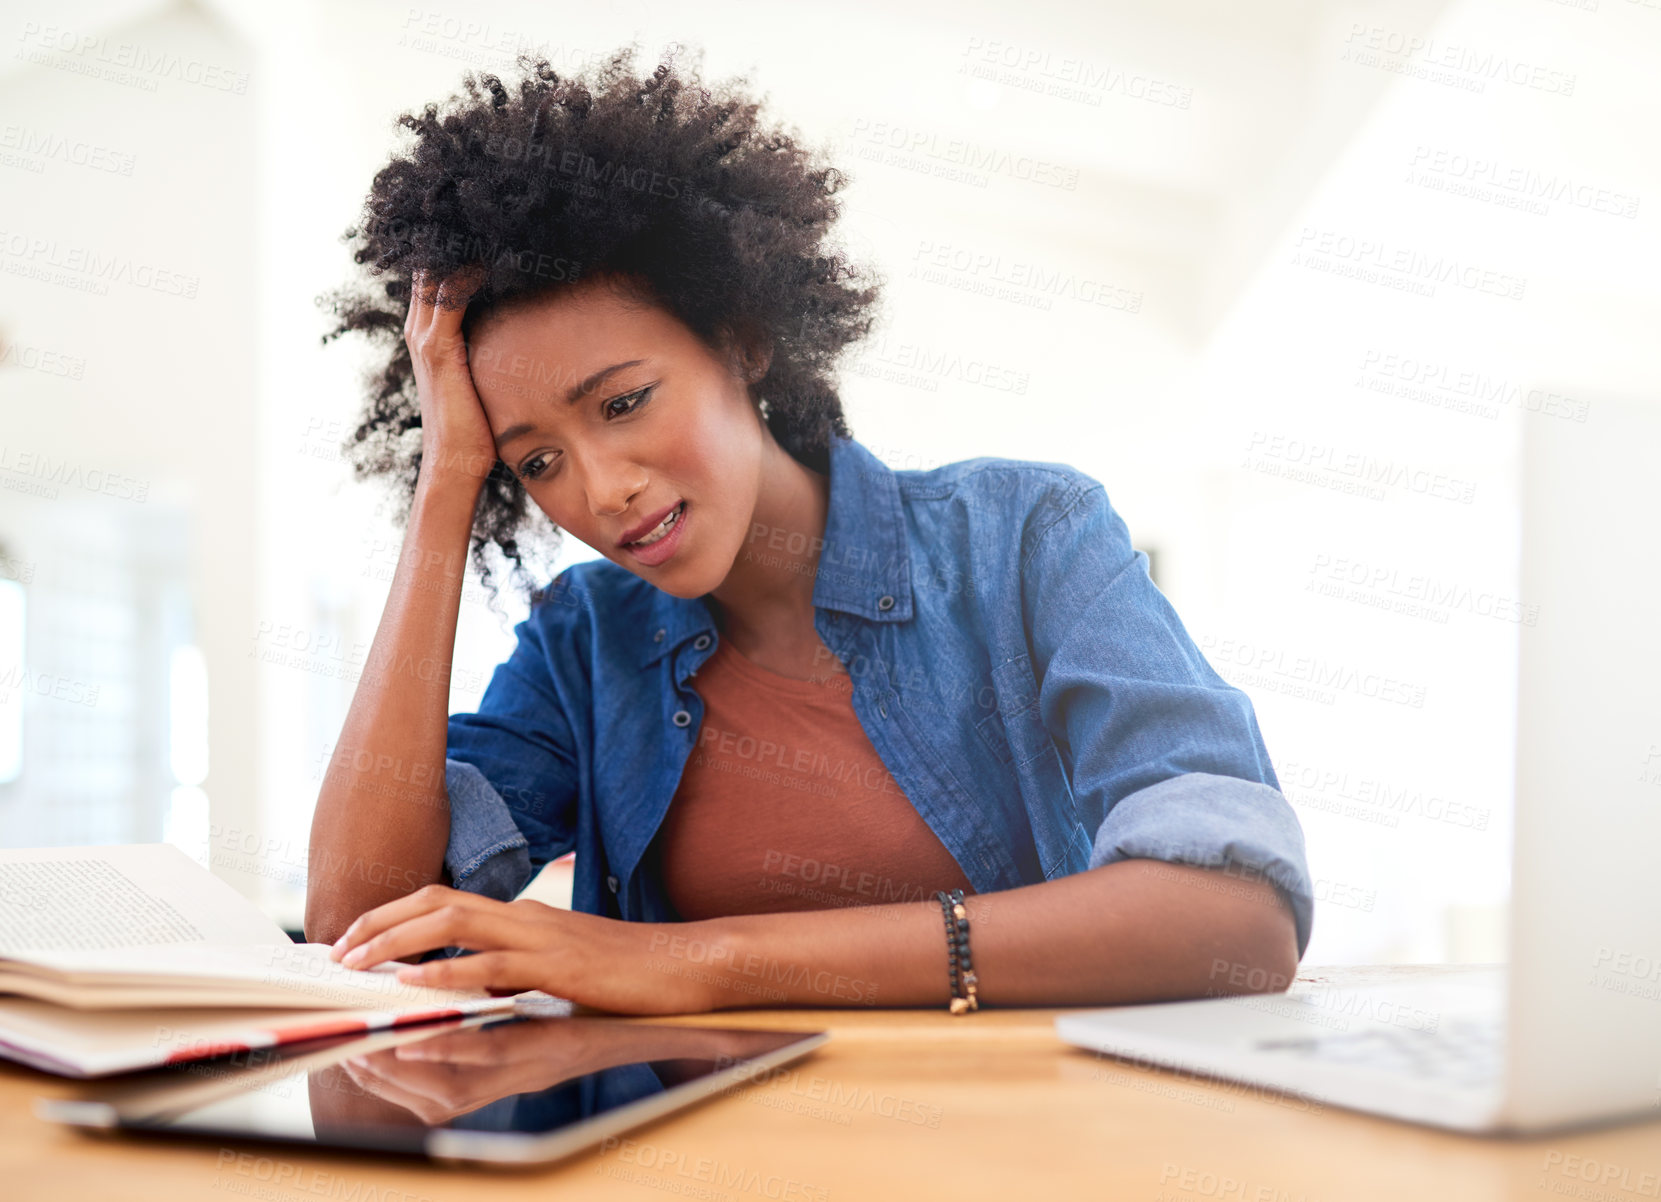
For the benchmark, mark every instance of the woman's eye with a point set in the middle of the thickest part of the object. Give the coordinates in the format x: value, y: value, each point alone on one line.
x: 536, y: 466
x: 639, y: 399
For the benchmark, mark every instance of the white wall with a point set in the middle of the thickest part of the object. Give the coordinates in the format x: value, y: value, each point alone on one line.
x: 1185, y: 219
x: 128, y: 396
x: 1407, y: 807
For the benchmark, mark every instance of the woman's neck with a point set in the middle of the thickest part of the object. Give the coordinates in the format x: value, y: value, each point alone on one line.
x: 766, y: 599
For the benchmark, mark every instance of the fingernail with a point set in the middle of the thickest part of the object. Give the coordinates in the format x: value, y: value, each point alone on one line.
x: 354, y: 957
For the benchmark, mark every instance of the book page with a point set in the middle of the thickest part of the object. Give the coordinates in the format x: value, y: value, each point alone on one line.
x: 134, y: 895
x: 295, y: 974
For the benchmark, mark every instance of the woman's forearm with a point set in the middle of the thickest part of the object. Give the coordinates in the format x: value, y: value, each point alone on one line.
x: 383, y: 818
x: 1132, y: 931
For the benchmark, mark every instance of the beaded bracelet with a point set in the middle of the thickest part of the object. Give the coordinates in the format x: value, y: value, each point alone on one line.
x: 960, y: 970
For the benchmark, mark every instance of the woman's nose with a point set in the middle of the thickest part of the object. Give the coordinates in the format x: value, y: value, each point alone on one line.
x: 612, y: 489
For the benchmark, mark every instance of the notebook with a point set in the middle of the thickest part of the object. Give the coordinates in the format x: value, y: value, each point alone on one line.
x: 126, y: 957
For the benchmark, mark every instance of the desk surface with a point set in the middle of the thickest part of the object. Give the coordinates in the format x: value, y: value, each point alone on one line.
x: 902, y: 1104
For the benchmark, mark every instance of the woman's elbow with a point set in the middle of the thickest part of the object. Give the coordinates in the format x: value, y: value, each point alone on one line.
x: 1263, y: 959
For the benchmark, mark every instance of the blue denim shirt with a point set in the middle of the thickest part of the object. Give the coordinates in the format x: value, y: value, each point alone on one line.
x: 1027, y: 685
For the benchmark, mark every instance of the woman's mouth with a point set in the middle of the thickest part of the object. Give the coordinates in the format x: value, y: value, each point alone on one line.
x: 659, y: 544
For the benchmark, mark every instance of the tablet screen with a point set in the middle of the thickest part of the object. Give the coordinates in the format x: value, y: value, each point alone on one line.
x: 517, y: 1089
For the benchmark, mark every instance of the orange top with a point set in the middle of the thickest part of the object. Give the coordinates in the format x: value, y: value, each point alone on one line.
x: 785, y: 805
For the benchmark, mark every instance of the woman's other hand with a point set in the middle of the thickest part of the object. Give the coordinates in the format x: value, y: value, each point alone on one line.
x: 606, y: 963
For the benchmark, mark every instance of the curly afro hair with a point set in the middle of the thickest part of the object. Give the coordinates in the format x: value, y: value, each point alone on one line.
x: 676, y: 190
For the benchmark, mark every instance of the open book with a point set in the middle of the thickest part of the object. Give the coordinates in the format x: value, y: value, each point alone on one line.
x: 132, y: 956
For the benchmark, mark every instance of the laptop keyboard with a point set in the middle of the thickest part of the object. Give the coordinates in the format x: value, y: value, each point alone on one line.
x: 1464, y: 1052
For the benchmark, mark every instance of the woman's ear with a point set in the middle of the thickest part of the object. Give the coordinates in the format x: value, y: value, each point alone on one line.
x: 758, y: 357
x: 750, y: 353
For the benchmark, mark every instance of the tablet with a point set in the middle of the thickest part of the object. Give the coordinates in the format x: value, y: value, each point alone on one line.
x: 525, y: 1089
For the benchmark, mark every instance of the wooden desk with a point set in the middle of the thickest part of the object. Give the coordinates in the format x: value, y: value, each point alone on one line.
x: 898, y: 1104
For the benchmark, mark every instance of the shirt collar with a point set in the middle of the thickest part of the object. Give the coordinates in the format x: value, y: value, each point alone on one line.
x: 864, y: 567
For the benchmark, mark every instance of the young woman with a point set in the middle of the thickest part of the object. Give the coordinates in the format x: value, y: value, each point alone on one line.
x: 801, y: 697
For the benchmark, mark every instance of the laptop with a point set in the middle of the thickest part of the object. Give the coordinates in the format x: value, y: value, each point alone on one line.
x: 1568, y: 1032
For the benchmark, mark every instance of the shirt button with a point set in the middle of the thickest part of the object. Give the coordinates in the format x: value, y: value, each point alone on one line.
x: 611, y: 883
x: 885, y: 603
x: 882, y: 708
x: 658, y: 637
x: 701, y: 642
x: 681, y: 718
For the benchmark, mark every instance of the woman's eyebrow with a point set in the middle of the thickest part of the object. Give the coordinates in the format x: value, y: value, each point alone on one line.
x: 594, y: 381
x: 576, y: 394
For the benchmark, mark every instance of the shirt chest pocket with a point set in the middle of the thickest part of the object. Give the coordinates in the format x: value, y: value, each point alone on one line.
x: 1014, y: 730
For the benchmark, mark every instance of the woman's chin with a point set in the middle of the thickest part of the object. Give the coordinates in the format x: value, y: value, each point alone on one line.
x: 676, y: 578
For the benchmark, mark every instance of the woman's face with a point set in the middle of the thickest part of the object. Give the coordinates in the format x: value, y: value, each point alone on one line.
x: 612, y: 413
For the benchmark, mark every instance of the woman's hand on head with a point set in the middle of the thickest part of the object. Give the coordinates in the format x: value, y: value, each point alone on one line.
x: 455, y: 434
x: 607, y: 963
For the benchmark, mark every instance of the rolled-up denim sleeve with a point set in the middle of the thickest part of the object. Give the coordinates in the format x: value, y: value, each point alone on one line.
x: 487, y: 853
x: 511, y: 774
x: 1211, y: 821
x: 1165, y: 758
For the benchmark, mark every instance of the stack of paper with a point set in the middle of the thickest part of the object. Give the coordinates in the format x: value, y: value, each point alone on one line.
x: 135, y: 956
